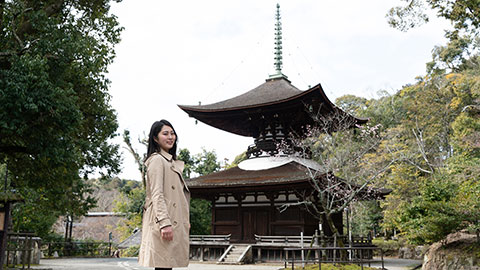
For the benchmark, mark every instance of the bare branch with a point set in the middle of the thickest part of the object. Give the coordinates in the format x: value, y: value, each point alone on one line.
x: 421, y: 146
x: 136, y: 156
x: 338, y: 149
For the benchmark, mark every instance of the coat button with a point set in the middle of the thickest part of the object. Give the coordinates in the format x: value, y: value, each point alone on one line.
x: 174, y: 223
x: 174, y: 204
x: 173, y: 187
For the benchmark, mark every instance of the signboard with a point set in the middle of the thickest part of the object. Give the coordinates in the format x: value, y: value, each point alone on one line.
x: 2, y: 220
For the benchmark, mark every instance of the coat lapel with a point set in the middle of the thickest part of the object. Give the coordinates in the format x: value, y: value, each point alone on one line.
x: 176, y: 166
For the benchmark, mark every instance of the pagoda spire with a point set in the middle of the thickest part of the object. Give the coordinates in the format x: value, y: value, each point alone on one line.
x: 278, y: 47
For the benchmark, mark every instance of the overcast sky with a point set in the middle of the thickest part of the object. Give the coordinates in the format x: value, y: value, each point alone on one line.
x: 186, y: 52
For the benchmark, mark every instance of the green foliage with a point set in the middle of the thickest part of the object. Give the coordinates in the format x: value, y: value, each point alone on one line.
x: 366, y: 217
x: 200, y: 216
x: 85, y: 248
x: 200, y: 210
x: 131, y: 251
x: 352, y: 104
x: 131, y: 203
x: 463, y: 14
x: 189, y: 161
x: 430, y: 216
x: 56, y: 122
x: 237, y: 160
x: 206, y: 162
x: 467, y: 204
x: 389, y: 247
x: 436, y: 146
x: 431, y: 129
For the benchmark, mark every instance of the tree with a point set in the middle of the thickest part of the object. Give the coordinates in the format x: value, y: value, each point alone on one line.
x: 463, y: 14
x: 206, y: 162
x: 463, y: 39
x: 200, y: 209
x: 56, y: 122
x: 352, y: 104
x: 138, y: 158
x: 436, y: 145
x: 186, y: 157
x: 341, y: 176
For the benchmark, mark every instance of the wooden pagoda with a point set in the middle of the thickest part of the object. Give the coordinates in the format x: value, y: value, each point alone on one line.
x: 245, y: 199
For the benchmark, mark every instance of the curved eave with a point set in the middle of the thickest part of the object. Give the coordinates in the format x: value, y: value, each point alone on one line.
x: 236, y: 119
x: 205, y: 109
x: 289, y: 176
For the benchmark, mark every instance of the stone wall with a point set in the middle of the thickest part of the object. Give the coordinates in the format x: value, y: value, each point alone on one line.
x: 459, y: 251
x: 412, y: 252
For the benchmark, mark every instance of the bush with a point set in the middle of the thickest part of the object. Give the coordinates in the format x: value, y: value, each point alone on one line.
x: 389, y: 247
x: 131, y: 251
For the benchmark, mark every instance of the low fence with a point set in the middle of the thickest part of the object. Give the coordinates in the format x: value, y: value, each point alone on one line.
x: 22, y: 250
x: 208, y: 247
x: 78, y: 248
x: 354, y: 255
x: 270, y: 248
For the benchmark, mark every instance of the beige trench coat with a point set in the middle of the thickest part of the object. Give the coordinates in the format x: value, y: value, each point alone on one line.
x: 167, y: 203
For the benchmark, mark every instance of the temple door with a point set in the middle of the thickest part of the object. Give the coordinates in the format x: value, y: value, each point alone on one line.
x: 254, y: 222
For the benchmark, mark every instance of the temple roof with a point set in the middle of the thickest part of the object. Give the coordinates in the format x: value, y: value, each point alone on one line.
x: 294, y: 174
x: 240, y: 115
x: 272, y: 91
x: 236, y: 177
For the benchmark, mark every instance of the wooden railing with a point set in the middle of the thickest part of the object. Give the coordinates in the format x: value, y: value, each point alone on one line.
x: 269, y: 248
x: 20, y: 248
x: 318, y: 240
x: 281, y: 240
x: 354, y: 255
x: 210, y: 238
x: 208, y: 247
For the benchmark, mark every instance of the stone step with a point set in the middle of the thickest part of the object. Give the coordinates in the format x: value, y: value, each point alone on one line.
x: 234, y: 254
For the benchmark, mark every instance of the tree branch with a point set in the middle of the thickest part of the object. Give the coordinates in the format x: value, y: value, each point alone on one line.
x: 136, y: 156
x: 421, y: 147
x: 26, y: 27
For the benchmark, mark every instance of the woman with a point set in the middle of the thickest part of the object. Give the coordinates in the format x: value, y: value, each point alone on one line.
x: 165, y: 223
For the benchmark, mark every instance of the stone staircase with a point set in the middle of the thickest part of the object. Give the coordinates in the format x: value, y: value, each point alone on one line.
x: 236, y: 254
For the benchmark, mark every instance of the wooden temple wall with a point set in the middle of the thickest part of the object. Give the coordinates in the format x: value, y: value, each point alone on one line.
x: 245, y: 215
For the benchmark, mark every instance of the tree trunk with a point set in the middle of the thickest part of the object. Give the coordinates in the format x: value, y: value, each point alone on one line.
x: 334, y: 230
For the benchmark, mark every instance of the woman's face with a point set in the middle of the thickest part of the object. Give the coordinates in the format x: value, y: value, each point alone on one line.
x: 166, y: 138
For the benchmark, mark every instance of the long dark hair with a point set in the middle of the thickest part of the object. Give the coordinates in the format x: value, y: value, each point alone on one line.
x: 153, y: 146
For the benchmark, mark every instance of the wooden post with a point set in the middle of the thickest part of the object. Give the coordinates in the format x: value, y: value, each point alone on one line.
x: 4, y: 232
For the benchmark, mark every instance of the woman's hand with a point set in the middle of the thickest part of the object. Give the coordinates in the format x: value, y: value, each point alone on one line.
x: 167, y: 233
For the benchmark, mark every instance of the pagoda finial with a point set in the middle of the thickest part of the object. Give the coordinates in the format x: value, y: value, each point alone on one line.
x: 278, y: 46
